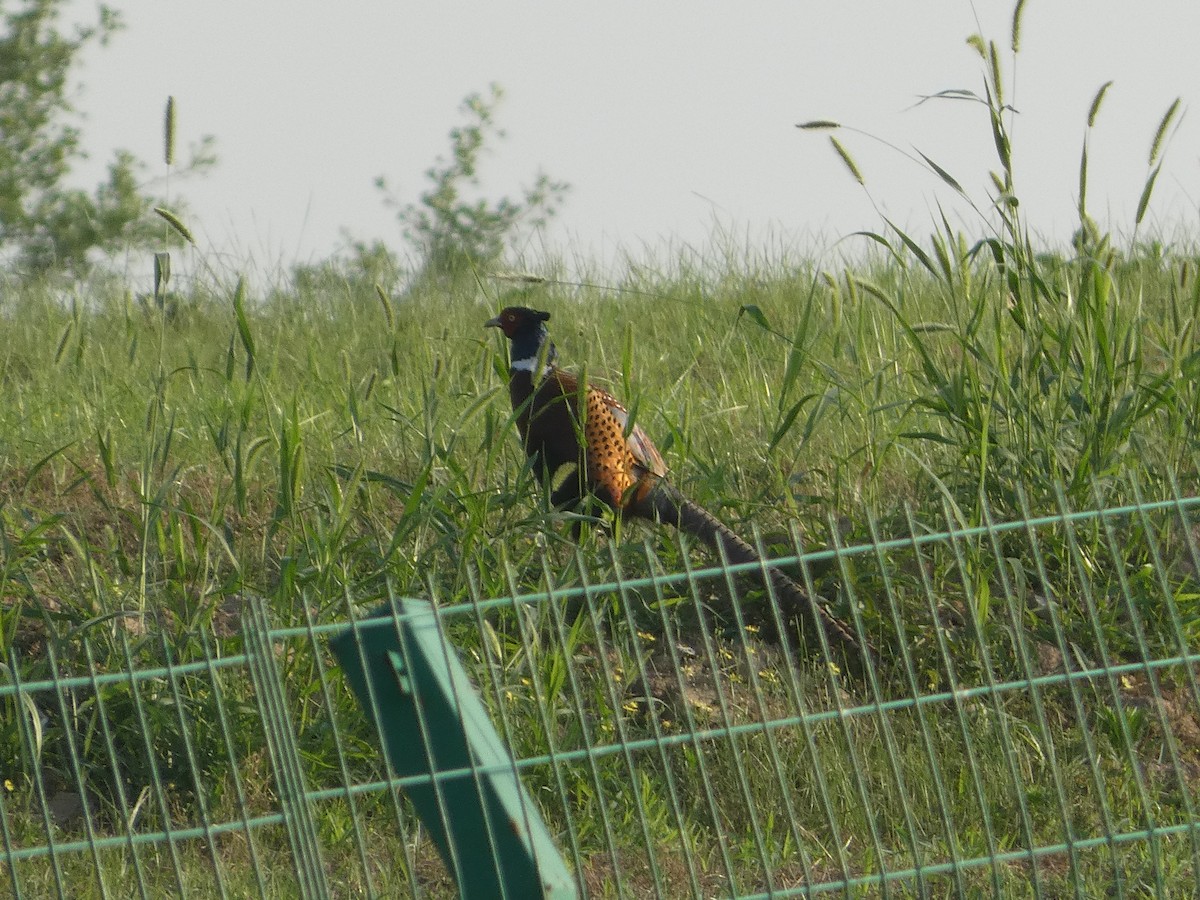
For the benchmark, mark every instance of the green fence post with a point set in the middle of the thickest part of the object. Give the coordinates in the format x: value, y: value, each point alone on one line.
x: 432, y: 724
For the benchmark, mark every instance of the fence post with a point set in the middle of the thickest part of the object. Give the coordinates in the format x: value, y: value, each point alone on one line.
x: 436, y: 731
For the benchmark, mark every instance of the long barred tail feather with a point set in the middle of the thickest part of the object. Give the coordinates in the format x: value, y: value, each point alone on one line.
x: 672, y: 508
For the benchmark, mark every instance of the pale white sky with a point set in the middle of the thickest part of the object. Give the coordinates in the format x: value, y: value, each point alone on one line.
x: 665, y: 117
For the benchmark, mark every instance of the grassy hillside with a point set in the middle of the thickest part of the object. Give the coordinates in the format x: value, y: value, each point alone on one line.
x: 983, y: 456
x: 314, y: 448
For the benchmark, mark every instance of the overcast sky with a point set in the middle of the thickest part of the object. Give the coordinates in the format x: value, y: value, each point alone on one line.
x: 667, y: 118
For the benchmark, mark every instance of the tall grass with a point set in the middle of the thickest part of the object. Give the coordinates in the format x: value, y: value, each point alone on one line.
x: 314, y: 449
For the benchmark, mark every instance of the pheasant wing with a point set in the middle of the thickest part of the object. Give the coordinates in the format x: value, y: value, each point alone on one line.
x: 621, y: 468
x: 645, y: 454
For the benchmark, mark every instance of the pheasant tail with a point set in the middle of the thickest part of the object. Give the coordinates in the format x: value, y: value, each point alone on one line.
x: 673, y: 508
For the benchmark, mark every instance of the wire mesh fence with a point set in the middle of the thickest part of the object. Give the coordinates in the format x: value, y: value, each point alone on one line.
x: 1030, y: 726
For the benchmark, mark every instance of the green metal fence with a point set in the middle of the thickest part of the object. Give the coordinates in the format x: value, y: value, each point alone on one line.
x: 1032, y: 727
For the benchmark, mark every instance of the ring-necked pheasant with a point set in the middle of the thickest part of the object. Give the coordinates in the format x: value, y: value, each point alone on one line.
x: 579, y: 437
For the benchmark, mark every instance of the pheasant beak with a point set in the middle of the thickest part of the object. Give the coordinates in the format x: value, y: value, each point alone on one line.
x: 493, y: 323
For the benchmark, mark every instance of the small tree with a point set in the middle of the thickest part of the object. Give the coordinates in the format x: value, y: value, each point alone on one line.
x: 361, y: 268
x: 453, y: 234
x: 43, y: 224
